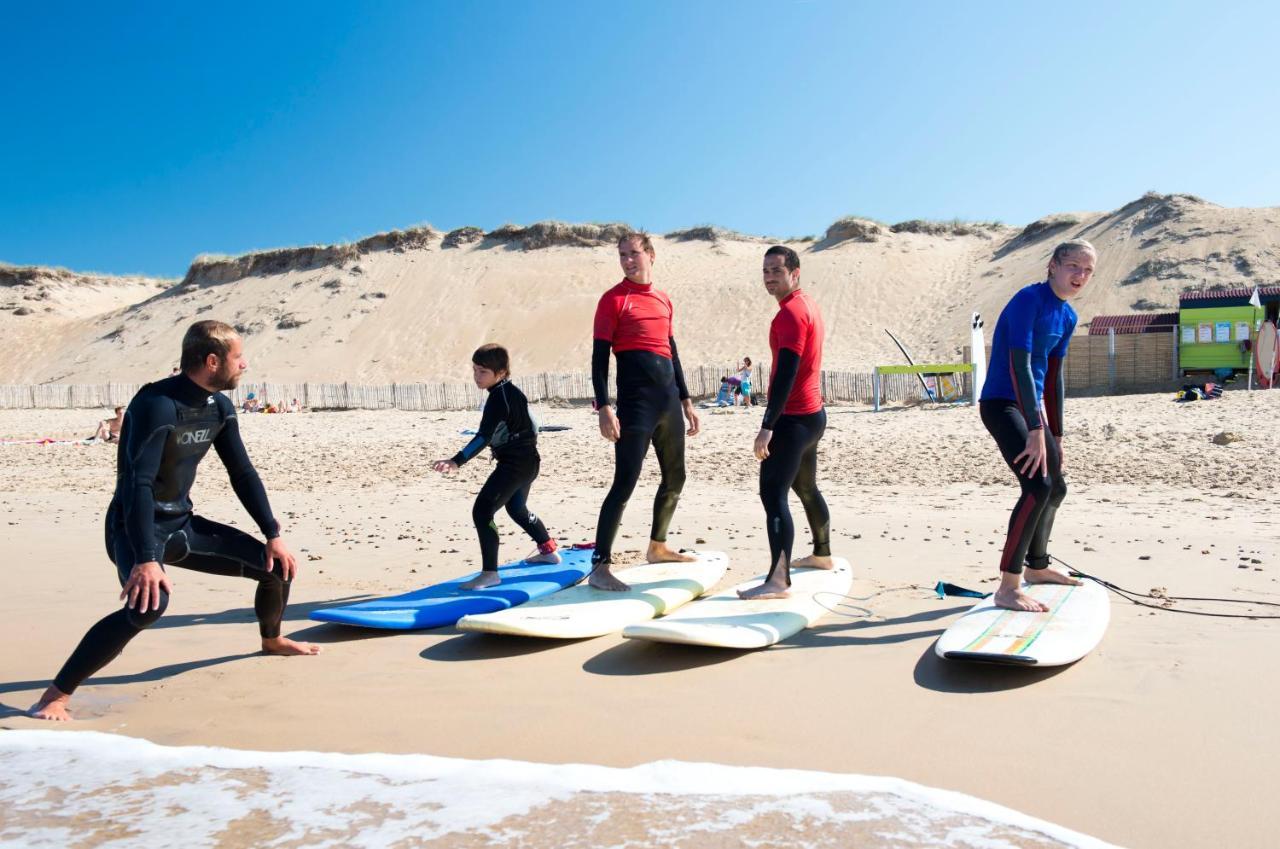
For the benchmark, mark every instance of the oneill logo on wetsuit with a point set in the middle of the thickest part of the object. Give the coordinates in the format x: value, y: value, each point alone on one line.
x: 195, y: 437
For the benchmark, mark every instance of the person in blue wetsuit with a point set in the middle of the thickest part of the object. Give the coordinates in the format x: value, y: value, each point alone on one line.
x: 509, y: 430
x: 1021, y: 407
x: 168, y: 428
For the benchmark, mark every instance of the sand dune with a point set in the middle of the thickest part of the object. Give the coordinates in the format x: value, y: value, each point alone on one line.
x: 411, y: 305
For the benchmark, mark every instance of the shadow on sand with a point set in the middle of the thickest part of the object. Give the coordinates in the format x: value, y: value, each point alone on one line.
x: 240, y: 615
x: 467, y: 647
x: 958, y: 676
x: 159, y: 673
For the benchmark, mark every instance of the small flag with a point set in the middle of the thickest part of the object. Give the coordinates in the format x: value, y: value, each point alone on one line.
x: 1254, y: 300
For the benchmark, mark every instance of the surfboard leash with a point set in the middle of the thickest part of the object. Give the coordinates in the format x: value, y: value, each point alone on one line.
x: 1138, y: 598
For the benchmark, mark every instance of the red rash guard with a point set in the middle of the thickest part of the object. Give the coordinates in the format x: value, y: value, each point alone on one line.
x: 798, y: 327
x: 631, y: 317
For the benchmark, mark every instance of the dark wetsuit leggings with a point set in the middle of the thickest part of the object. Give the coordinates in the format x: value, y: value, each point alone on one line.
x: 190, y: 542
x: 508, y: 485
x: 646, y: 414
x: 1032, y: 519
x: 792, y: 465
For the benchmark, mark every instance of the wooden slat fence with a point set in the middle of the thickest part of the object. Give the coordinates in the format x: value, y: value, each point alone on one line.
x: 1141, y: 362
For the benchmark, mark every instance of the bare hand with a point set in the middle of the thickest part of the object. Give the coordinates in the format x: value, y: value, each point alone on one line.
x: 146, y: 580
x: 277, y: 551
x: 445, y: 466
x: 761, y: 446
x: 694, y: 425
x: 1034, y: 459
x: 609, y: 427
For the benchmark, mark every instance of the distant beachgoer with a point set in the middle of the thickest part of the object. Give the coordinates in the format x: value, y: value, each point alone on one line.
x: 295, y: 406
x: 1021, y: 406
x: 633, y: 319
x: 744, y: 381
x: 794, y: 421
x: 511, y: 433
x: 724, y: 398
x: 109, y: 429
x: 251, y: 404
x: 169, y: 427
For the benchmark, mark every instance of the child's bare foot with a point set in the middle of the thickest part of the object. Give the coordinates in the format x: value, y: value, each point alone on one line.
x: 485, y: 579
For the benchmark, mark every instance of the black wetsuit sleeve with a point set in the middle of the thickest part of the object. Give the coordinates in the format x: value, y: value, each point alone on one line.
x: 489, y: 421
x: 1024, y: 386
x: 675, y: 366
x: 244, y: 477
x: 150, y: 420
x: 600, y: 371
x: 780, y: 385
x: 1055, y: 390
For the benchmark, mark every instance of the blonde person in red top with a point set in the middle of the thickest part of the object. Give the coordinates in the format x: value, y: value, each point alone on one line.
x: 794, y: 421
x: 633, y: 319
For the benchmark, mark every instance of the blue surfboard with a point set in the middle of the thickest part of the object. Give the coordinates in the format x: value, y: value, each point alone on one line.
x: 446, y: 603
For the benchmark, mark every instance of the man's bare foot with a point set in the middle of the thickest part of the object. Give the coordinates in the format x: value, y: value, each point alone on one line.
x: 52, y: 706
x: 603, y: 579
x: 815, y: 561
x: 1016, y: 599
x: 1049, y: 575
x: 772, y: 588
x: 660, y: 552
x: 485, y: 579
x: 549, y: 557
x: 287, y: 647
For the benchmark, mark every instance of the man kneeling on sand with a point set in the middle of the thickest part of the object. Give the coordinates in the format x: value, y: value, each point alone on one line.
x: 168, y: 428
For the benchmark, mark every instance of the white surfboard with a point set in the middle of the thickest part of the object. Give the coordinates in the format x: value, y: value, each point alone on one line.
x: 584, y: 611
x: 1264, y: 354
x: 1074, y: 625
x: 726, y: 621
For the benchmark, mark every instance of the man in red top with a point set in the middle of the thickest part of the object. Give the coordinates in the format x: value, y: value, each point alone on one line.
x: 794, y: 421
x: 634, y: 320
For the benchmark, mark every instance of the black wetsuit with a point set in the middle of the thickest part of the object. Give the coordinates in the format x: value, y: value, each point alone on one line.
x: 651, y: 388
x: 168, y: 429
x: 795, y: 339
x: 1024, y: 392
x: 509, y: 430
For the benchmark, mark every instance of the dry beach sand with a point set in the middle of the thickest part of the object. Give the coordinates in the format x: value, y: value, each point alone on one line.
x: 1163, y: 736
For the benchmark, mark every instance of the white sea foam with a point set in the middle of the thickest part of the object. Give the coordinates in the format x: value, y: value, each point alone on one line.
x: 61, y: 787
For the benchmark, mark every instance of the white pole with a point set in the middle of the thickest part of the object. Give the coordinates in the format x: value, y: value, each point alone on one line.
x: 978, y: 354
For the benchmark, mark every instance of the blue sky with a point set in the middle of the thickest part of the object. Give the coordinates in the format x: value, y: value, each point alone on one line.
x: 139, y: 135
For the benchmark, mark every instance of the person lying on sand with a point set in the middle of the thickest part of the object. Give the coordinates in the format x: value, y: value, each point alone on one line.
x: 109, y: 429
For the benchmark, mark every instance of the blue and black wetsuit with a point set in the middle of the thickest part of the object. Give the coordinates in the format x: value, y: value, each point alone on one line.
x: 1023, y: 392
x: 510, y: 431
x: 168, y: 429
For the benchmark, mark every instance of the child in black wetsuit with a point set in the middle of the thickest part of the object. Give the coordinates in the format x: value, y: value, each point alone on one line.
x: 510, y: 432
